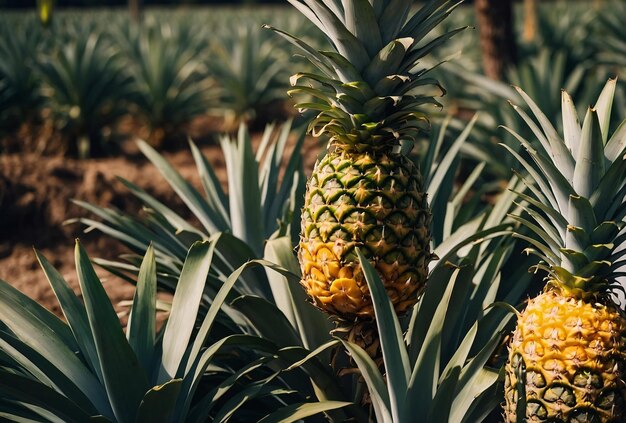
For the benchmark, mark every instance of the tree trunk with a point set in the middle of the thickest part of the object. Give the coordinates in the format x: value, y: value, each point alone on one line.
x: 134, y: 6
x: 497, y: 40
x: 530, y: 20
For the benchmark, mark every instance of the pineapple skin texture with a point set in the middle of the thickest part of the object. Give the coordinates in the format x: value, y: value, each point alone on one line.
x: 574, y: 354
x: 373, y: 201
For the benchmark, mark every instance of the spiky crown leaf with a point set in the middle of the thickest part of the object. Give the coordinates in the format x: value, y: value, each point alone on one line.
x: 578, y: 182
x: 370, y: 89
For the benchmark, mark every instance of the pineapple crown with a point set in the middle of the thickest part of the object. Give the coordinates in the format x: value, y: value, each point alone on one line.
x: 578, y: 202
x: 370, y: 90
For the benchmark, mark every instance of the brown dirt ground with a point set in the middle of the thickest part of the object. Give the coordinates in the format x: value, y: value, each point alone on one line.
x: 35, y: 194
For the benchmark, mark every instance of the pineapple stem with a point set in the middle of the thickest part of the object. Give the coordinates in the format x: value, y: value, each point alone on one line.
x: 364, y: 334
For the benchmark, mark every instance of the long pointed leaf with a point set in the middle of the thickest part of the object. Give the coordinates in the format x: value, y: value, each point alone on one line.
x: 394, y: 351
x: 141, y: 329
x: 124, y: 379
x: 296, y: 412
x: 185, y: 305
x: 74, y: 312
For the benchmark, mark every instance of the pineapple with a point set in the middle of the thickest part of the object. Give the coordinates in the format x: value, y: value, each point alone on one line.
x: 567, y: 356
x: 364, y: 192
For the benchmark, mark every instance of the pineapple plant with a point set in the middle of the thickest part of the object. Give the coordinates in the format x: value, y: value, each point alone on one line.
x: 567, y: 356
x: 365, y: 193
x: 87, y: 368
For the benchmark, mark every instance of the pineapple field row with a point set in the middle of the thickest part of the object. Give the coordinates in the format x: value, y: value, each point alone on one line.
x: 329, y: 211
x: 91, y: 80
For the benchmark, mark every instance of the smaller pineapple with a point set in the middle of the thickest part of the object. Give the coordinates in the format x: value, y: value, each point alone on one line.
x: 567, y: 356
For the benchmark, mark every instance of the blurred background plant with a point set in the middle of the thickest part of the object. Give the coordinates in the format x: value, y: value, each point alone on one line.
x: 199, y: 71
x: 170, y: 84
x: 20, y: 87
x: 248, y: 63
x: 104, y: 79
x: 86, y: 87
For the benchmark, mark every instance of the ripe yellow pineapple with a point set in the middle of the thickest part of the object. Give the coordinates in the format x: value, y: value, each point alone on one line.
x: 365, y: 193
x: 567, y: 356
x: 374, y: 202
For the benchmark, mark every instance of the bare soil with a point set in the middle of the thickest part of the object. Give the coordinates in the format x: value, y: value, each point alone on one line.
x: 35, y: 201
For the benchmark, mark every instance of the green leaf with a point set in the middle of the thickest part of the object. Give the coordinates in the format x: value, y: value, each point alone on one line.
x: 46, y: 334
x: 394, y: 351
x: 605, y: 193
x: 548, y: 255
x: 74, y: 312
x: 560, y: 184
x: 172, y: 217
x: 246, y: 217
x: 36, y: 393
x: 209, y: 319
x: 345, y: 70
x: 295, y: 412
x: 545, y: 192
x: 590, y: 160
x: 423, y: 312
x: 392, y: 17
x: 249, y: 392
x: 467, y: 234
x: 31, y: 361
x: 361, y: 21
x: 417, y: 53
x: 375, y: 383
x: 202, y: 408
x: 314, y: 353
x: 9, y: 417
x: 562, y: 158
x: 571, y: 124
x: 440, y: 406
x: 474, y: 380
x: 124, y: 379
x: 185, y: 305
x: 141, y: 329
x: 230, y: 254
x: 446, y: 161
x: 273, y: 198
x: 312, y: 326
x: 386, y: 61
x: 617, y: 144
x: 553, y: 244
x: 603, y: 108
x: 344, y: 41
x: 273, y: 326
x: 581, y: 215
x: 210, y: 219
x: 427, y: 163
x: 604, y: 231
x: 537, y: 132
x: 489, y: 400
x: 198, y: 366
x: 558, y: 220
x: 460, y: 355
x: 425, y: 374
x: 158, y: 403
x: 211, y: 184
x: 32, y: 314
x: 321, y: 62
